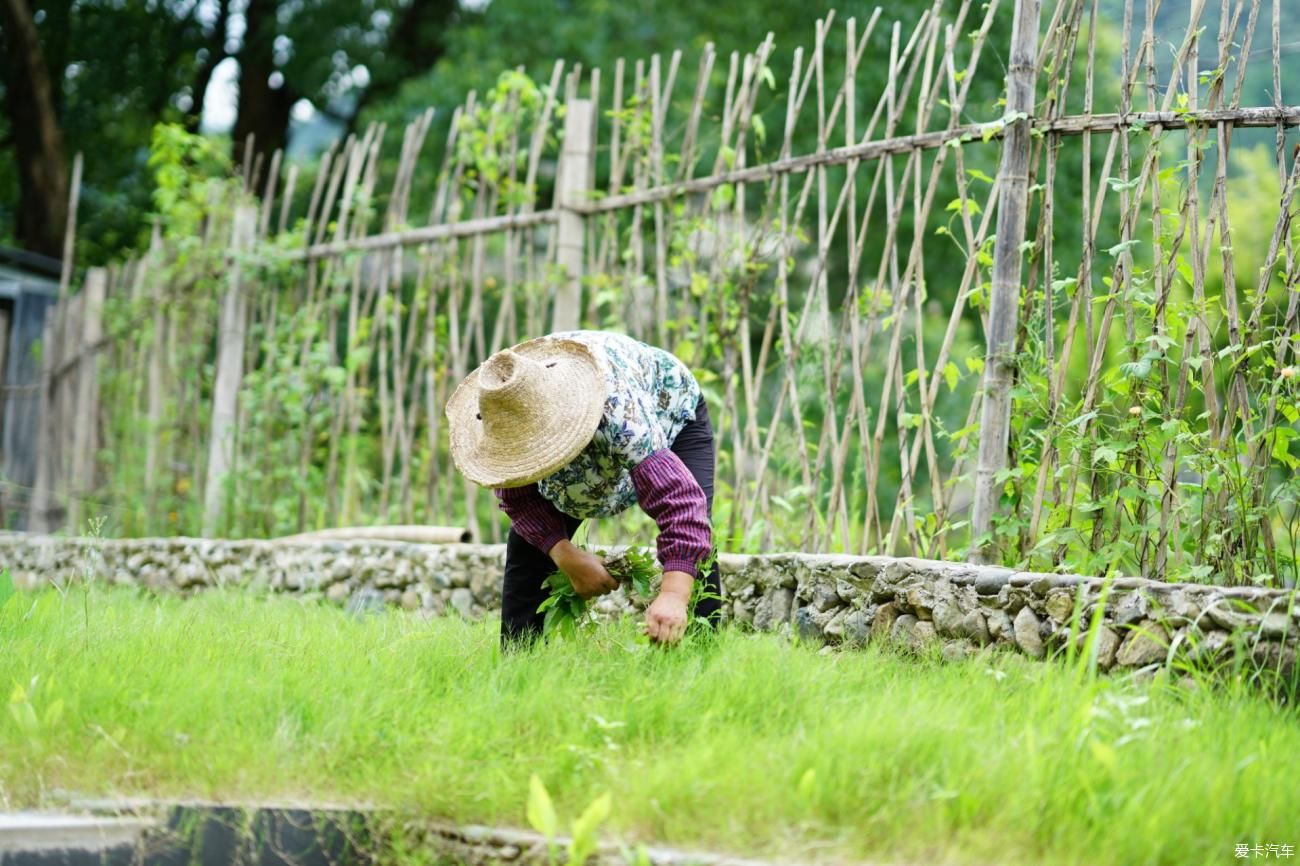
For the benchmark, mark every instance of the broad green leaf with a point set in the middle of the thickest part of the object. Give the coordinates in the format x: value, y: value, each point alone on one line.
x: 1139, y: 369
x: 552, y: 620
x: 1282, y: 447
x: 1106, y: 453
x: 807, y: 783
x: 53, y: 713
x: 584, y: 829
x: 541, y: 811
x: 952, y: 375
x: 25, y: 716
x: 1082, y: 419
x: 723, y: 196
x: 6, y: 587
x: 641, y: 584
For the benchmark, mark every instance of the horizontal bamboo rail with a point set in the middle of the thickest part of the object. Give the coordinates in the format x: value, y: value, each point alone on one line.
x: 864, y: 151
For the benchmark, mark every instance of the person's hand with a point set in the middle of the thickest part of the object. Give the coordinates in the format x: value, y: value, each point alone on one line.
x: 665, y: 619
x: 585, y: 570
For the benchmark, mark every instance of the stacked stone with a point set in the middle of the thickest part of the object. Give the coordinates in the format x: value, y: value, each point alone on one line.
x: 844, y: 600
x: 855, y: 600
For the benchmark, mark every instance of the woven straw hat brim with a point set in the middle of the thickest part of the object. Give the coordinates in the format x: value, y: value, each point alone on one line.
x: 546, y: 434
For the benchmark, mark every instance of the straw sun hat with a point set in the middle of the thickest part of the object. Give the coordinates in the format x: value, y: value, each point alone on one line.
x: 526, y: 412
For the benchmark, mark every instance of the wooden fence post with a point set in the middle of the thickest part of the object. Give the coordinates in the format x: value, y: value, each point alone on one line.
x: 4, y: 395
x: 157, y: 359
x: 85, y: 417
x: 1000, y: 362
x: 49, y: 452
x: 575, y: 182
x: 4, y: 399
x: 38, y: 514
x: 230, y: 374
x: 60, y: 337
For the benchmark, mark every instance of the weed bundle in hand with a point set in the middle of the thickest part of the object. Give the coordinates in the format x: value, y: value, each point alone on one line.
x: 566, y: 611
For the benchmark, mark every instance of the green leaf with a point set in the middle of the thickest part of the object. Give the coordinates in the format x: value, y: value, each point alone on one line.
x: 54, y: 712
x: 541, y: 811
x: 641, y: 584
x: 723, y: 196
x: 1282, y: 447
x: 593, y: 816
x: 553, y: 620
x: 1082, y: 419
x: 1105, y: 452
x: 807, y: 784
x: 583, y: 844
x: 22, y: 710
x: 1139, y: 369
x: 951, y: 375
x: 6, y: 587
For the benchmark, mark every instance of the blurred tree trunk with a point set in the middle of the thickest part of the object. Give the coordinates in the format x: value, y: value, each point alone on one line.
x: 214, y: 52
x: 263, y: 109
x: 37, y: 135
x: 416, y: 42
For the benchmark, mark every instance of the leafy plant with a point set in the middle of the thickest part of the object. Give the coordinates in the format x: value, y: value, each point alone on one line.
x: 566, y: 612
x: 543, y: 818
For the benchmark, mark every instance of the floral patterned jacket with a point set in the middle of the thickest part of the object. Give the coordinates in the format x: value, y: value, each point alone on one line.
x: 650, y: 397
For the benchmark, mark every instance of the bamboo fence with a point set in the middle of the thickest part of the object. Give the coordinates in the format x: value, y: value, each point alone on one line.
x: 903, y: 348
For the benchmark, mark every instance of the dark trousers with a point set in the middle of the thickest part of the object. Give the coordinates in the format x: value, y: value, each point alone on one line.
x: 523, y: 587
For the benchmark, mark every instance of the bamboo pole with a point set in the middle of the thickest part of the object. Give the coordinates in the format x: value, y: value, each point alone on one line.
x: 230, y: 350
x: 575, y: 181
x: 1000, y: 364
x: 85, y: 417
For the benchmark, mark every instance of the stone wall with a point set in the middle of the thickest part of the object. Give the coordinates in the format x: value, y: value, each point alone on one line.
x: 844, y: 600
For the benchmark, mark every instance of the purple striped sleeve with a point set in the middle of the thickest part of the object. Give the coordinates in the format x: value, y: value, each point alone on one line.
x: 533, y: 516
x: 669, y: 493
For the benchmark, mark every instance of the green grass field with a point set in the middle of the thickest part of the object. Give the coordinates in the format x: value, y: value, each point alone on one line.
x: 746, y: 744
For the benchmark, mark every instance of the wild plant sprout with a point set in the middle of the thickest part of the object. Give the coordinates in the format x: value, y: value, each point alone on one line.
x: 633, y: 568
